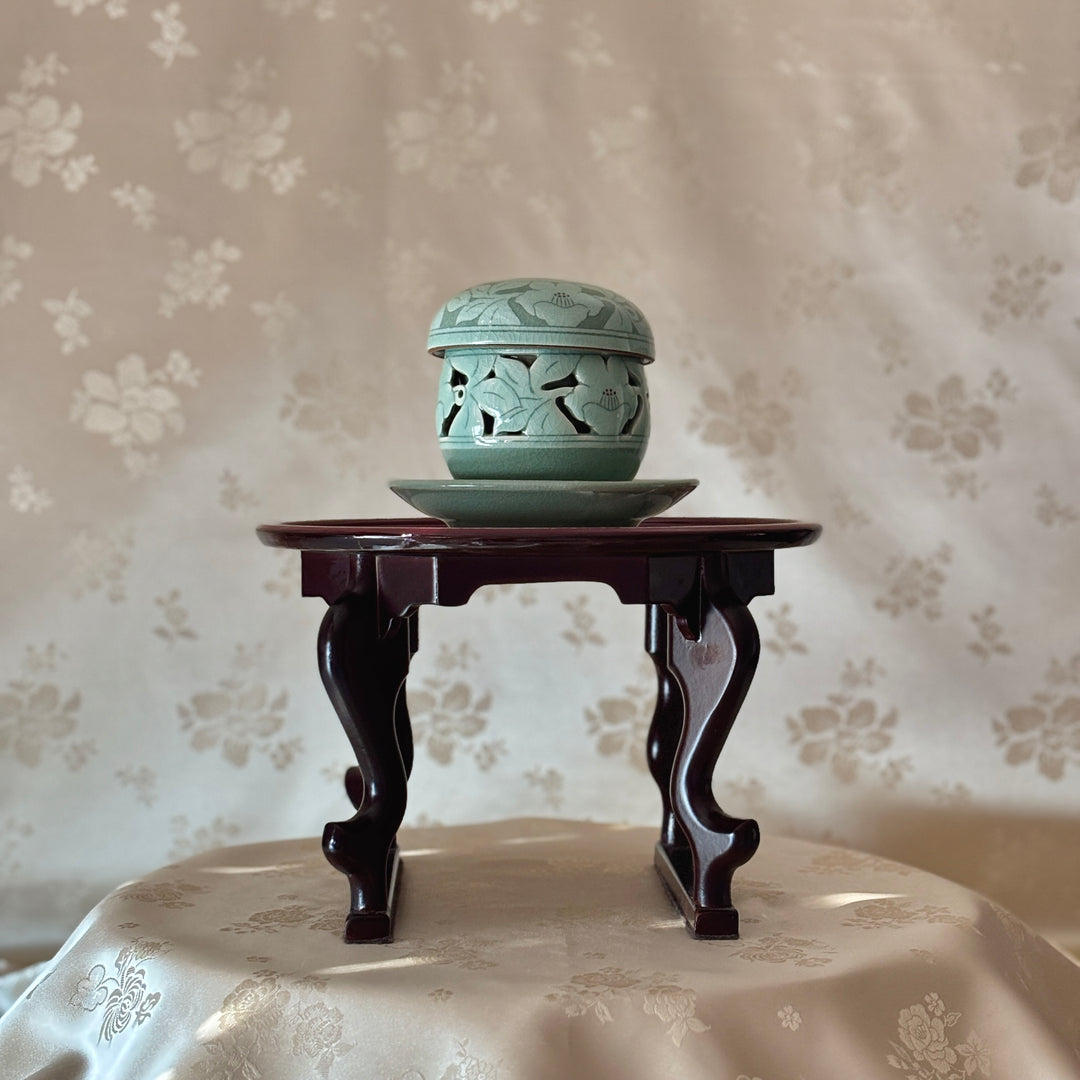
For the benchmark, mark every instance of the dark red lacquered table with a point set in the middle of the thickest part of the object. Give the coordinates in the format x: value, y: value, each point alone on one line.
x: 695, y: 577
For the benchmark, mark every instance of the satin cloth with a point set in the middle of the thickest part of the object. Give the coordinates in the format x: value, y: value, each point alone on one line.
x: 541, y: 948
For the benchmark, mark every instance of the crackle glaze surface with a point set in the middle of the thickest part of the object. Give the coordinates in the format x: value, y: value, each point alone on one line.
x: 552, y: 414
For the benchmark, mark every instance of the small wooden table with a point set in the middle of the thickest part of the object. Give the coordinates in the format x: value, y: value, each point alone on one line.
x: 695, y: 577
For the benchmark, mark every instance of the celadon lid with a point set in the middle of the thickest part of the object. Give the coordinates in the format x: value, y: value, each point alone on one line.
x: 531, y: 312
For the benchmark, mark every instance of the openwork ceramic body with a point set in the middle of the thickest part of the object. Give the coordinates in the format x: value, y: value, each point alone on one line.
x: 542, y: 380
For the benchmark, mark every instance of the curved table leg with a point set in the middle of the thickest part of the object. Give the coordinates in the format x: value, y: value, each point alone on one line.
x: 363, y: 674
x: 713, y: 674
x: 667, y: 722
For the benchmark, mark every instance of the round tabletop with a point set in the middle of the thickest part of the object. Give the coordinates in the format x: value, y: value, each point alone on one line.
x: 654, y: 536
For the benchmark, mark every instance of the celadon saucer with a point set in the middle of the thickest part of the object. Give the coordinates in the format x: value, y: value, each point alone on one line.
x: 541, y: 503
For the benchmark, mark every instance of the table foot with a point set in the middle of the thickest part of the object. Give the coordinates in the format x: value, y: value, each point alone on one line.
x: 372, y: 927
x: 676, y: 871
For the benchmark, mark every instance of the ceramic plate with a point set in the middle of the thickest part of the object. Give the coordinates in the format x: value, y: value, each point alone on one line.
x: 539, y: 503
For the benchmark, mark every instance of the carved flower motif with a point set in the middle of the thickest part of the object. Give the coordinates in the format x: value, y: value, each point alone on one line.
x: 603, y: 397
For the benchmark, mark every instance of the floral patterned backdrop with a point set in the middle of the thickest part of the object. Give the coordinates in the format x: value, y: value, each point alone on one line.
x: 223, y: 232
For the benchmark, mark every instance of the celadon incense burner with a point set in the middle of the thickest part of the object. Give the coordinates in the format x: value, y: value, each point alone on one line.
x: 542, y: 379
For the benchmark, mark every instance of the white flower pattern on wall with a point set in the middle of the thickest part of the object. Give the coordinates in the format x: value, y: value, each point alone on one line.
x: 1047, y: 730
x: 447, y: 716
x: 242, y: 138
x: 172, y: 43
x: 12, y: 252
x: 850, y: 730
x: 140, y: 200
x: 449, y: 139
x: 68, y: 315
x: 134, y: 407
x: 1052, y: 156
x: 36, y: 132
x: 915, y: 583
x: 114, y: 9
x: 620, y: 725
x: 37, y: 716
x: 25, y: 496
x: 1019, y: 291
x: 240, y: 716
x: 954, y: 426
x: 752, y: 422
x: 197, y: 277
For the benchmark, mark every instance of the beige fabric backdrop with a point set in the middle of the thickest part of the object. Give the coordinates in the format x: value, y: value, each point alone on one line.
x: 223, y: 230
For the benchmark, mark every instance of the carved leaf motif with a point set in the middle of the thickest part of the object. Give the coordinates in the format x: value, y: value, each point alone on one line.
x: 551, y: 367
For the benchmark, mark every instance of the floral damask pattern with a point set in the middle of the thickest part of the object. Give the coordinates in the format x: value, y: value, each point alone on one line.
x: 597, y: 992
x: 955, y: 426
x: 37, y: 132
x: 925, y: 1049
x: 1046, y: 731
x: 124, y: 997
x: 850, y: 731
x: 861, y: 297
x: 754, y: 424
x: 36, y: 716
x: 261, y: 1019
x: 448, y: 715
x: 243, y: 137
x: 241, y: 715
x: 621, y: 724
x: 1052, y: 157
x: 135, y: 407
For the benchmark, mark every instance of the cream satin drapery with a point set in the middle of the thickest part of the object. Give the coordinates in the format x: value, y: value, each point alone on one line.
x: 223, y: 229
